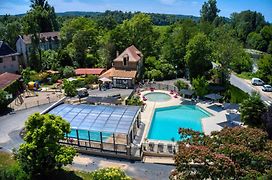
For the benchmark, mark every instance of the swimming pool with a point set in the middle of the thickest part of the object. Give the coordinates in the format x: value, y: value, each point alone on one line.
x: 157, y: 97
x: 167, y: 121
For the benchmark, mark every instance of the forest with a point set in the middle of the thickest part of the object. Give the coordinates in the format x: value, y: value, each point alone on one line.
x: 171, y: 44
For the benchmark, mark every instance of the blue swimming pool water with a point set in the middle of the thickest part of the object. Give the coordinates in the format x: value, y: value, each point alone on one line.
x: 157, y: 96
x: 167, y: 121
x: 94, y: 136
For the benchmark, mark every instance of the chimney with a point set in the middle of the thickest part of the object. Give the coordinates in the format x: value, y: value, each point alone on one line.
x: 117, y: 53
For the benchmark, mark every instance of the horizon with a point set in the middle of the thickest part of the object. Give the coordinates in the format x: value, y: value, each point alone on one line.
x: 175, y: 7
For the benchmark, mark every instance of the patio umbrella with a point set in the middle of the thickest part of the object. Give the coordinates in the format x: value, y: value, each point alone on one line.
x: 187, y: 92
x: 104, y: 79
x: 213, y: 96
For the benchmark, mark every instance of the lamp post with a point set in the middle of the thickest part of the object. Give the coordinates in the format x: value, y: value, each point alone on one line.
x: 176, y: 71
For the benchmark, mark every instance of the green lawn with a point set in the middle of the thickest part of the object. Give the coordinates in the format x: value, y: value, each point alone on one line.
x: 7, y: 162
x: 246, y: 75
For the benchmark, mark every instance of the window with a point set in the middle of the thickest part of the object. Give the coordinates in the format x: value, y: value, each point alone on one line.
x: 125, y: 60
x: 1, y: 60
x: 13, y: 58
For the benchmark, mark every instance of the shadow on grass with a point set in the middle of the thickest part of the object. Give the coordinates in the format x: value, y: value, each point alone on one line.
x: 61, y: 175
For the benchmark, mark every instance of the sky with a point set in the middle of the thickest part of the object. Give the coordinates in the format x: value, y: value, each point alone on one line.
x: 183, y: 7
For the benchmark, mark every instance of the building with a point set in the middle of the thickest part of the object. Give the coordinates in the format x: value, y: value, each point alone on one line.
x: 48, y: 40
x: 89, y: 71
x: 9, y: 59
x: 126, y: 68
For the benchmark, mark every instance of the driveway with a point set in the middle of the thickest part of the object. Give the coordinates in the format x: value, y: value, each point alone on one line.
x: 12, y: 124
x: 244, y: 86
x: 110, y: 92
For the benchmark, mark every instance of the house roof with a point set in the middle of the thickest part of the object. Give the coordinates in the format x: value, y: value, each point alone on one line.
x: 46, y: 36
x: 5, y: 49
x: 93, y: 71
x: 132, y: 52
x: 119, y: 73
x: 7, y: 79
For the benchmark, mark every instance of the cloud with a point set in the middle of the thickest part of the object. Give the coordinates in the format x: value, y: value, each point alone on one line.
x: 168, y: 2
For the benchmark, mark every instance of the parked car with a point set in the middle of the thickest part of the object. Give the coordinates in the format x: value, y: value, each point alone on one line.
x: 82, y: 92
x: 267, y: 88
x: 257, y: 82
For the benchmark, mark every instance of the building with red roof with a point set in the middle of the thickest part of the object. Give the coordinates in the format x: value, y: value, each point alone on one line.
x: 89, y: 71
x: 126, y: 68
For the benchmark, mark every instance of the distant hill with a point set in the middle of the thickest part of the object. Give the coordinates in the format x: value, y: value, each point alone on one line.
x: 79, y: 13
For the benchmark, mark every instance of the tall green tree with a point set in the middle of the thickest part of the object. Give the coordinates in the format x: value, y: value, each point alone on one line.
x: 198, y: 55
x: 252, y: 110
x: 256, y: 41
x: 265, y: 68
x: 209, y: 11
x: 200, y: 85
x: 246, y: 22
x: 41, y: 153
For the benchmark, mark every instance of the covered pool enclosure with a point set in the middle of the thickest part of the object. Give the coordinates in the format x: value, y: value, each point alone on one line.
x: 100, y: 128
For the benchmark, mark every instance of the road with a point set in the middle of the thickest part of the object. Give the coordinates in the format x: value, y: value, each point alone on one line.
x: 241, y: 84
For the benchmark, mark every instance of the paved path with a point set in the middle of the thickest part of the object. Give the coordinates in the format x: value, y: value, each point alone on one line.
x: 137, y: 170
x: 12, y: 124
x: 244, y: 86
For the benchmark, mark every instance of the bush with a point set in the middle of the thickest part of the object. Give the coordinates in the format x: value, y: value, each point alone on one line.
x: 235, y: 95
x: 69, y: 88
x: 200, y: 85
x: 3, y: 100
x: 79, y: 83
x: 135, y: 100
x: 181, y: 85
x: 109, y: 174
x: 91, y: 79
x: 13, y: 172
x: 68, y: 71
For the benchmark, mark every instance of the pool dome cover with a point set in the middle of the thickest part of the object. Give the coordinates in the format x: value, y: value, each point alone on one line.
x: 98, y: 118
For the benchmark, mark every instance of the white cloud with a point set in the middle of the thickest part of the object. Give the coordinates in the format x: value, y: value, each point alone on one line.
x: 168, y: 2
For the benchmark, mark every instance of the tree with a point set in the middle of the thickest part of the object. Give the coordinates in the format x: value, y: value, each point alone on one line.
x: 252, y: 109
x: 209, y: 11
x: 198, y: 55
x: 41, y: 153
x: 181, y: 85
x: 69, y: 88
x: 265, y: 68
x: 246, y: 22
x: 68, y: 71
x: 109, y: 173
x: 232, y: 153
x: 256, y: 41
x: 267, y: 118
x: 3, y: 99
x: 200, y: 85
x: 49, y: 60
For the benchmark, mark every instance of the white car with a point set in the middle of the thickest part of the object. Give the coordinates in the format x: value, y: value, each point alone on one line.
x: 257, y: 82
x: 267, y: 88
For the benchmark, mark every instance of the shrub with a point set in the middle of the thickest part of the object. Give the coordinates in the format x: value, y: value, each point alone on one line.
x: 68, y: 71
x: 91, y: 79
x: 200, y: 85
x: 69, y: 88
x: 135, y: 100
x: 181, y: 84
x: 3, y: 99
x: 110, y: 174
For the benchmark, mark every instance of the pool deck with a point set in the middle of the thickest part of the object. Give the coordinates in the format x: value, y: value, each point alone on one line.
x: 215, y: 122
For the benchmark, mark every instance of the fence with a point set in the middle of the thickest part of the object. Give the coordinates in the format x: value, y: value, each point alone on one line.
x: 159, y: 86
x: 25, y: 103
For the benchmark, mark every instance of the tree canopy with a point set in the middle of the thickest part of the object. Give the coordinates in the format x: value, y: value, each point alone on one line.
x: 41, y: 153
x: 209, y: 11
x: 232, y: 153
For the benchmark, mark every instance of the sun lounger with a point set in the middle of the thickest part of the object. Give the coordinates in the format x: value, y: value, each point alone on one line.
x: 160, y: 148
x: 151, y: 146
x: 170, y: 148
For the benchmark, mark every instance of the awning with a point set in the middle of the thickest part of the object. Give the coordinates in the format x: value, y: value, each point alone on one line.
x: 187, y: 92
x: 104, y: 79
x: 213, y: 96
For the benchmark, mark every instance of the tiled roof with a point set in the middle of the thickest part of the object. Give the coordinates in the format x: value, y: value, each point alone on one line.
x: 132, y: 52
x: 119, y: 73
x: 7, y: 79
x: 45, y: 36
x: 5, y: 49
x: 93, y: 71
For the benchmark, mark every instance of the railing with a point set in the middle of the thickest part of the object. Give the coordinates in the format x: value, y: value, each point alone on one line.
x: 16, y: 106
x: 159, y: 86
